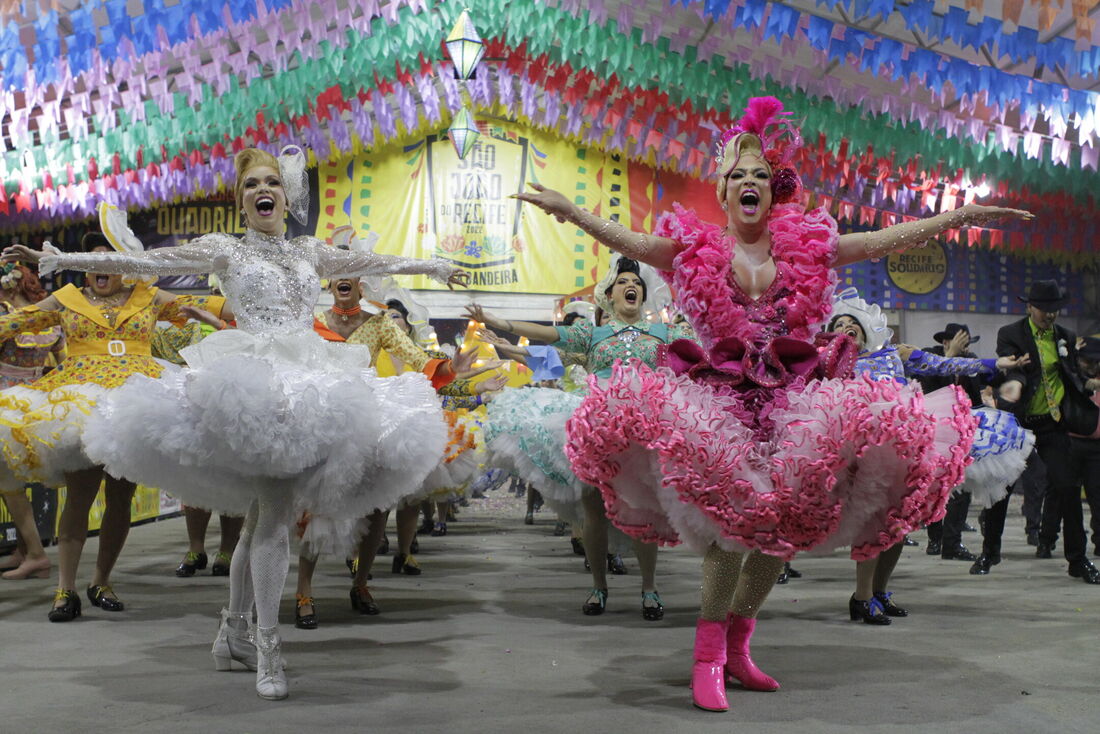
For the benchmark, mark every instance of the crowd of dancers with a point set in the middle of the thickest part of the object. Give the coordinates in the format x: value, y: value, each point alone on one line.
x: 772, y: 416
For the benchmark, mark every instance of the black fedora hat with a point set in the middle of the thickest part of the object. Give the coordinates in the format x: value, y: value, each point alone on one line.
x: 1046, y: 294
x: 1090, y: 349
x: 951, y: 330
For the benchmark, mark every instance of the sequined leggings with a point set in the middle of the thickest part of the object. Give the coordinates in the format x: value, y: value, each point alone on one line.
x: 736, y: 582
x: 261, y: 561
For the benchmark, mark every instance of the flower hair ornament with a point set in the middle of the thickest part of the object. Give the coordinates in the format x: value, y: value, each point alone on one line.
x: 764, y: 129
x: 292, y: 170
x: 657, y: 293
x: 870, y: 317
x: 10, y: 275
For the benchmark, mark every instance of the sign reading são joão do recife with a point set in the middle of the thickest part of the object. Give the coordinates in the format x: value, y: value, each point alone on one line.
x: 425, y: 202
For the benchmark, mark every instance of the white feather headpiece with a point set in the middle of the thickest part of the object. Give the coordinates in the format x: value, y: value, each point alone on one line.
x: 869, y: 316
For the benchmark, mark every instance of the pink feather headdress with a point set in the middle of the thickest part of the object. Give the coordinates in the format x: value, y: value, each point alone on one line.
x: 766, y: 120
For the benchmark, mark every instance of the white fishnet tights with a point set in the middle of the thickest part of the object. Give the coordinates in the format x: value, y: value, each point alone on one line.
x: 261, y: 560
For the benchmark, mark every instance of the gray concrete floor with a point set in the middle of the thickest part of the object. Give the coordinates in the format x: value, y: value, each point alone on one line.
x: 491, y: 639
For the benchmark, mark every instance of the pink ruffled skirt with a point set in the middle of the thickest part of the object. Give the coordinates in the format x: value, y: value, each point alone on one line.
x: 816, y: 466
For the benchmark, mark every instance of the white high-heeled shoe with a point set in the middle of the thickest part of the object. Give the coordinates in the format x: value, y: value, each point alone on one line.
x: 270, y: 678
x: 235, y: 641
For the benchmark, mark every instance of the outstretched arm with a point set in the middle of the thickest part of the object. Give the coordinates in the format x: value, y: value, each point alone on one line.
x: 335, y: 263
x: 528, y: 329
x: 858, y: 246
x: 41, y: 316
x: 656, y: 251
x: 196, y: 256
x: 925, y: 364
x: 503, y: 347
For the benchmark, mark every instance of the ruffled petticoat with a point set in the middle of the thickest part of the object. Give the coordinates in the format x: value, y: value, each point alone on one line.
x: 525, y: 433
x: 460, y: 465
x: 827, y: 464
x: 289, y: 415
x: 40, y: 433
x: 1000, y: 451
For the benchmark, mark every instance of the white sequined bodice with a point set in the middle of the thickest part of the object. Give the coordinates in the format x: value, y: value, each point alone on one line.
x: 271, y: 284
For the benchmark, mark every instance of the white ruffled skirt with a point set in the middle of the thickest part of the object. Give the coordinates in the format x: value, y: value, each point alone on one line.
x: 40, y: 433
x: 525, y: 433
x: 1000, y: 451
x: 287, y: 415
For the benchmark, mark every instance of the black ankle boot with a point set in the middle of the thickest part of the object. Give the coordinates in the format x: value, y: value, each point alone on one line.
x: 870, y: 611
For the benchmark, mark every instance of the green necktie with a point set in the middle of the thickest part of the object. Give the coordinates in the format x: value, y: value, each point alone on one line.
x: 1048, y: 387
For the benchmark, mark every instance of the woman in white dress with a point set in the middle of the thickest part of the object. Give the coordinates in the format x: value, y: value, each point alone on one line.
x: 259, y: 422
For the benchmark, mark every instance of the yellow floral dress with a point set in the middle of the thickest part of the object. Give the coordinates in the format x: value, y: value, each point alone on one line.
x: 41, y: 422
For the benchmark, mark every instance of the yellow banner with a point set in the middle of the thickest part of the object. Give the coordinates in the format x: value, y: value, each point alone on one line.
x: 425, y: 202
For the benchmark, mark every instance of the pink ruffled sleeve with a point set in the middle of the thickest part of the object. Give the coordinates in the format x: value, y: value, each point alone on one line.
x: 684, y: 227
x: 822, y: 235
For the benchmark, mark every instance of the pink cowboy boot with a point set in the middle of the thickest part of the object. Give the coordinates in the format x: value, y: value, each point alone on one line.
x: 739, y: 664
x: 708, y: 686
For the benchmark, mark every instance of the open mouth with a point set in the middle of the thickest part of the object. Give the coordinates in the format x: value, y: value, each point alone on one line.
x: 101, y: 281
x: 344, y: 289
x: 631, y: 295
x: 265, y: 205
x: 750, y: 201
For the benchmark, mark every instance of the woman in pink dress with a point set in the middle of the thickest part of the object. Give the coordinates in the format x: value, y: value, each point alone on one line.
x: 758, y: 442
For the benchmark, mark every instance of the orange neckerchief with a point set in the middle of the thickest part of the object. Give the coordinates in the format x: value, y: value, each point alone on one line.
x: 326, y: 333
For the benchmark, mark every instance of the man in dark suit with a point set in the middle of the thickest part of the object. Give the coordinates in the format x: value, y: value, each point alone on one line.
x: 1034, y: 393
x: 945, y: 536
x: 1085, y: 448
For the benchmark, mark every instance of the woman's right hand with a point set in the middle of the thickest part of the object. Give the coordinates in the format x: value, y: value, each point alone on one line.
x: 550, y: 201
x: 17, y: 252
x: 202, y: 316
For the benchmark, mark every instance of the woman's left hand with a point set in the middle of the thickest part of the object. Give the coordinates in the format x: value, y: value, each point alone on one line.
x: 458, y: 277
x: 904, y: 350
x: 464, y: 360
x: 988, y: 400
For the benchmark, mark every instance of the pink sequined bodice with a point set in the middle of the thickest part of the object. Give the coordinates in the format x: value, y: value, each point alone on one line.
x: 797, y: 302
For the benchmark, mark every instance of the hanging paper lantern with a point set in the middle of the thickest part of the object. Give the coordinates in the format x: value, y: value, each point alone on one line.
x: 464, y: 132
x: 464, y: 46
